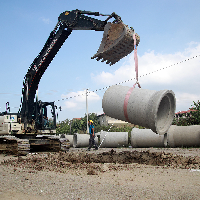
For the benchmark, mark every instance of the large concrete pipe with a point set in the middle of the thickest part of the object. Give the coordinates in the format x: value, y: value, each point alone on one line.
x: 145, y: 138
x: 147, y: 108
x: 82, y: 140
x: 183, y: 136
x: 70, y: 138
x: 113, y: 139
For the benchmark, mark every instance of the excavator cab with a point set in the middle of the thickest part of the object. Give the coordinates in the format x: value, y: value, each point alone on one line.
x: 117, y: 42
x: 40, y: 116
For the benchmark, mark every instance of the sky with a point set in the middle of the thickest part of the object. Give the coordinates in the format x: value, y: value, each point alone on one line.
x: 169, y: 34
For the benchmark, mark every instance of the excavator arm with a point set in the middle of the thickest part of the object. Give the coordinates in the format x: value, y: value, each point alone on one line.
x: 37, y: 69
x: 77, y: 20
x: 117, y: 42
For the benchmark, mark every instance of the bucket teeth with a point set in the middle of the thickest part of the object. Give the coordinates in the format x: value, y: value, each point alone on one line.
x: 117, y: 43
x: 99, y: 58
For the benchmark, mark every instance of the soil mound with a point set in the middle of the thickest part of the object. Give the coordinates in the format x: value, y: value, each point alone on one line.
x: 66, y: 160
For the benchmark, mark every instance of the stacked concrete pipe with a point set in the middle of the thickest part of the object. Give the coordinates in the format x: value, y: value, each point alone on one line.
x: 184, y: 136
x: 82, y: 140
x: 70, y: 138
x: 145, y: 138
x: 113, y: 139
x: 147, y: 108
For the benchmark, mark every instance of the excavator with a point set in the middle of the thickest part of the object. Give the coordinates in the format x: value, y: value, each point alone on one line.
x: 27, y: 129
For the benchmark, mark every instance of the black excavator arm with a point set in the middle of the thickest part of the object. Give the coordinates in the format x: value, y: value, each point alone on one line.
x: 77, y: 20
x: 67, y: 21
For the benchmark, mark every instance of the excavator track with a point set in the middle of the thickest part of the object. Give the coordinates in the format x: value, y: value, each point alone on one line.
x: 14, y: 145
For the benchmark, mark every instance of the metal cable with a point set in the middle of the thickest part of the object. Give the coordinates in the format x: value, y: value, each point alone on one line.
x: 127, y: 80
x: 130, y: 79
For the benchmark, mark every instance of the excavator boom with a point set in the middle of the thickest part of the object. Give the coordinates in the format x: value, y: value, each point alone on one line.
x: 117, y: 42
x: 32, y: 119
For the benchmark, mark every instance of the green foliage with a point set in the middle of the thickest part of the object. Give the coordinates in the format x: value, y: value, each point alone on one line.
x: 77, y: 126
x: 80, y: 126
x: 192, y: 119
x: 50, y: 123
x: 83, y: 121
x: 63, y: 127
x: 182, y: 121
x: 195, y: 115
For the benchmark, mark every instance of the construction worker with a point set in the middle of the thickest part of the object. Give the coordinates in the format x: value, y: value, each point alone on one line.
x: 92, y: 136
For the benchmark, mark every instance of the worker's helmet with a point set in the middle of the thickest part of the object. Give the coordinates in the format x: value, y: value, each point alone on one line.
x: 90, y: 121
x: 117, y: 43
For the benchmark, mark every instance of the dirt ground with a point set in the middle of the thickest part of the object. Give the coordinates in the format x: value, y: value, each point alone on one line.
x: 121, y: 173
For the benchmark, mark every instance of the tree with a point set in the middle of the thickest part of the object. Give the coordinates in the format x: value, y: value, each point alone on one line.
x: 192, y: 119
x: 91, y: 116
x: 80, y: 126
x: 77, y: 126
x: 63, y: 127
x: 195, y: 113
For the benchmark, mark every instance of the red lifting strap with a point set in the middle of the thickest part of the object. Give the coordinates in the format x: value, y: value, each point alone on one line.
x: 131, y: 89
x: 135, y: 57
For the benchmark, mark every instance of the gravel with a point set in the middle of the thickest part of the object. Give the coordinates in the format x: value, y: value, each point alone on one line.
x: 55, y: 176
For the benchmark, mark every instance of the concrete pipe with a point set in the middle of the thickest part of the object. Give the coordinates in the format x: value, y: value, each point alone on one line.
x: 70, y: 138
x: 113, y: 139
x: 184, y: 136
x: 82, y: 140
x: 145, y: 138
x: 147, y: 108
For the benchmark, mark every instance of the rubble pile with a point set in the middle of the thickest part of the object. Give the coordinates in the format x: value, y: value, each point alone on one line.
x: 110, y: 160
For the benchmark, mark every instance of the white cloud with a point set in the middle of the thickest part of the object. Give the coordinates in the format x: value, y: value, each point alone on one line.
x: 46, y: 20
x: 92, y: 96
x: 51, y: 92
x: 79, y: 99
x: 182, y: 77
x: 151, y: 62
x: 185, y: 100
x: 70, y: 104
x: 100, y: 112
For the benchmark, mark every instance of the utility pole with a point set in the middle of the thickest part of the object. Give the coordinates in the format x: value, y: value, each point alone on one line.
x: 70, y: 127
x: 87, y: 110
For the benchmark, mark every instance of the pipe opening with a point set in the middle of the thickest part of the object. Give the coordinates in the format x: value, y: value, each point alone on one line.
x: 165, y: 140
x: 75, y: 140
x: 165, y: 113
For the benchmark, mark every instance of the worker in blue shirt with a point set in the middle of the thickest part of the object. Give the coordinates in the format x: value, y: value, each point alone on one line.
x: 92, y: 136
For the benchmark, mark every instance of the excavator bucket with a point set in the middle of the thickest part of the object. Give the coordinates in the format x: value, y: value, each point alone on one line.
x: 117, y: 43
